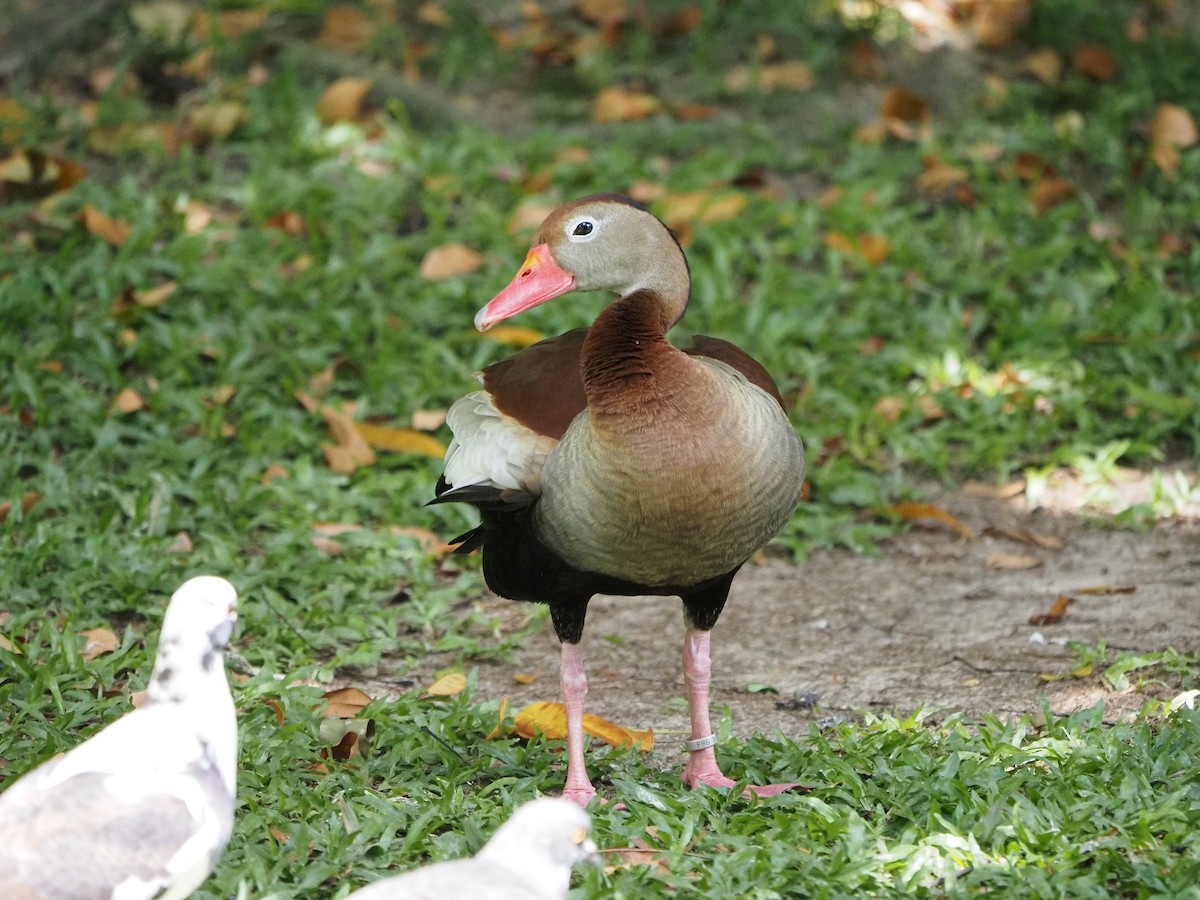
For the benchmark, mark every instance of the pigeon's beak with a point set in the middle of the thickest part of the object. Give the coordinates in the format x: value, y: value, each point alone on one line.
x: 591, y: 853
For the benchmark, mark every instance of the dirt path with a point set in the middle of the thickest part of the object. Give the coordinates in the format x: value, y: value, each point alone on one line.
x: 927, y: 623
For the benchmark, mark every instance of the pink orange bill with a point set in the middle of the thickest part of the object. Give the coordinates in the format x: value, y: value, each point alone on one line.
x: 540, y: 279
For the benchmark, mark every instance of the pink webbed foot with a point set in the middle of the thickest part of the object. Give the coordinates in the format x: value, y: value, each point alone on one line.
x: 705, y: 772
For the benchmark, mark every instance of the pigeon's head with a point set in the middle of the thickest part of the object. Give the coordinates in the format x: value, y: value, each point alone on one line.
x: 199, y: 622
x: 542, y: 841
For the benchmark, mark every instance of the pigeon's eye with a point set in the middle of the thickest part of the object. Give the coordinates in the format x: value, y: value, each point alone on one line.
x: 579, y: 835
x: 582, y: 229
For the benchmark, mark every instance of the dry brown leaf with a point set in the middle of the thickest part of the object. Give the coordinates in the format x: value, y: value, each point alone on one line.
x: 1166, y: 157
x: 155, y: 296
x: 428, y: 419
x: 351, y: 449
x: 1031, y: 167
x: 903, y: 104
x: 127, y: 401
x: 28, y: 502
x: 637, y: 856
x: 449, y: 685
x: 793, y: 75
x: 234, y: 23
x: 345, y: 28
x: 449, y: 261
x: 866, y: 61
x: 431, y: 542
x: 1095, y: 62
x: 196, y: 216
x: 551, y: 720
x: 997, y: 22
x: 342, y: 100
x: 602, y: 12
x: 939, y: 177
x: 400, y: 440
x: 181, y: 544
x: 431, y: 13
x: 6, y: 644
x: 112, y: 230
x: 646, y: 191
x: 871, y: 133
x: 873, y: 247
x: 344, y: 703
x: 920, y: 511
x: 930, y: 408
x: 1000, y: 560
x: 217, y: 119
x: 1050, y: 192
x: 518, y: 335
x: 1106, y: 589
x: 290, y: 221
x: 1045, y: 541
x: 835, y: 240
x: 618, y: 104
x: 1171, y: 130
x: 347, y: 748
x: 889, y: 408
x: 1045, y: 65
x: 1054, y: 615
x: 273, y: 472
x: 1173, y: 124
x: 97, y: 641
x: 528, y: 216
x: 527, y: 677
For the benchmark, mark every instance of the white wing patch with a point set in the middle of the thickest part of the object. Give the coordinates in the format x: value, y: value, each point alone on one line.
x: 490, y: 448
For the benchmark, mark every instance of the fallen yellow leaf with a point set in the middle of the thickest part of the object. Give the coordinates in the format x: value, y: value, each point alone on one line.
x: 916, y: 511
x: 499, y: 729
x: 618, y: 104
x: 400, y: 440
x: 527, y: 677
x: 518, y: 335
x: 448, y: 685
x: 550, y: 719
x: 342, y: 101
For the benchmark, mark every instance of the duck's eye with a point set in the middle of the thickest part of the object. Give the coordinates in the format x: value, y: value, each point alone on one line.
x: 582, y: 228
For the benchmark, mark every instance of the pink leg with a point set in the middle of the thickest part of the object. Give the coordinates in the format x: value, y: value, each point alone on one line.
x: 574, y: 690
x: 702, y: 765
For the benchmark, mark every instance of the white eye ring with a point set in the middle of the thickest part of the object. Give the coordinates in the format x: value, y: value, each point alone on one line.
x: 581, y: 229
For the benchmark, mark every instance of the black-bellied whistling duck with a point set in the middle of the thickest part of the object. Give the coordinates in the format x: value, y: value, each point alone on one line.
x: 608, y: 461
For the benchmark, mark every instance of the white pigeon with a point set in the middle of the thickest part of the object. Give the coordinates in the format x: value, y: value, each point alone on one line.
x: 145, y: 807
x: 529, y: 858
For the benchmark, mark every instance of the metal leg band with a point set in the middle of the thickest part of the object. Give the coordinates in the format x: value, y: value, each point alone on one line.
x: 700, y: 743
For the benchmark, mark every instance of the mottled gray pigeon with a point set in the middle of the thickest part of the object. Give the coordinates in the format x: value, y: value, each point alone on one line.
x: 529, y: 858
x: 144, y: 808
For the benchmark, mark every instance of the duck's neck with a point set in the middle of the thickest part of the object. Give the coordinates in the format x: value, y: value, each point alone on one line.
x: 626, y: 354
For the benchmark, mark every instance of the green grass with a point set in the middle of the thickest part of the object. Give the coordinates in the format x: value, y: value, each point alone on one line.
x: 1104, y: 345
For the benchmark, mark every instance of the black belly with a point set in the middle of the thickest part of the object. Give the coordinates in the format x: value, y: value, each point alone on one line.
x: 517, y: 565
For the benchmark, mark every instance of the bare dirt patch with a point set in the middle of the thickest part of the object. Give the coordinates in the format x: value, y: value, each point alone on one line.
x: 926, y: 624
